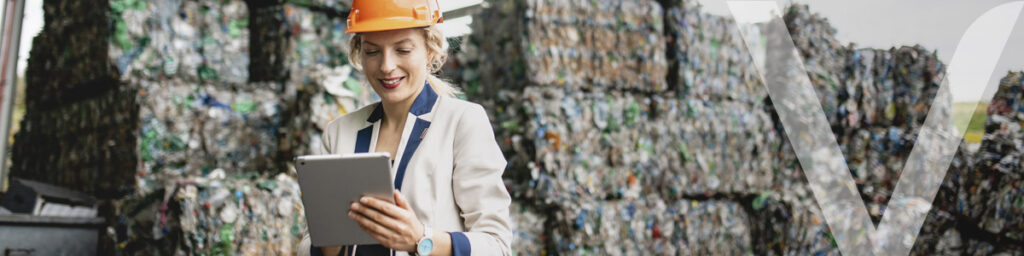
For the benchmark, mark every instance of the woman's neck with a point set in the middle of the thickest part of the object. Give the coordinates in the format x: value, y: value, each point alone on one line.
x: 395, y: 113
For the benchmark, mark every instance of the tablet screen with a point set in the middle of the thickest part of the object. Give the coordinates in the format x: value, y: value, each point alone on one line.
x: 329, y: 183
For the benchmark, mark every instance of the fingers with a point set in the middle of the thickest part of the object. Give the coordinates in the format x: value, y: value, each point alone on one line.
x: 385, y: 207
x: 390, y: 235
x: 393, y: 226
x: 400, y: 200
x: 380, y: 220
x: 372, y: 228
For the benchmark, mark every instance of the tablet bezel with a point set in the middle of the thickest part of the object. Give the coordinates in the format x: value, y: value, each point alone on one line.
x: 329, y: 183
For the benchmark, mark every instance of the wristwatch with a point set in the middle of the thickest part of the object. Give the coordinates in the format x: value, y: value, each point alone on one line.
x: 425, y: 245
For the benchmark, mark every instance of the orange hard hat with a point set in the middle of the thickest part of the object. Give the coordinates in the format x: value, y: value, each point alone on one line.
x: 380, y: 15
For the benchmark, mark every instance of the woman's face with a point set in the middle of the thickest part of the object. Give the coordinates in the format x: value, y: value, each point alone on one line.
x: 395, y: 62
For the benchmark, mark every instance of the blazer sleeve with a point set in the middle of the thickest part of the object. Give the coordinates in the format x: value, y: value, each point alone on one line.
x: 325, y: 139
x: 479, y: 190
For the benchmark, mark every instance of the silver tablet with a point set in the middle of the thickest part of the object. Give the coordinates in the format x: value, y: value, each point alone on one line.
x: 329, y: 184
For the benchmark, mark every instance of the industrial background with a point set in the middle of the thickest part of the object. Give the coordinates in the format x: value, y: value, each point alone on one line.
x: 631, y: 127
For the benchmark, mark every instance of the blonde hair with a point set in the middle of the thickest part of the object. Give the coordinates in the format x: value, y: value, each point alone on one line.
x: 437, y: 51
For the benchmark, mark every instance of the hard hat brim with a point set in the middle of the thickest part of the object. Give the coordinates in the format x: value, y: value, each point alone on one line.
x: 385, y: 24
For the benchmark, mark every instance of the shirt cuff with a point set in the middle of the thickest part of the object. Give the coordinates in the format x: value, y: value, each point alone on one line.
x: 460, y: 244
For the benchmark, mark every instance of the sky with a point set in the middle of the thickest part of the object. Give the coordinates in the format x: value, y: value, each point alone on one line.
x: 456, y: 26
x: 31, y: 23
x: 934, y: 24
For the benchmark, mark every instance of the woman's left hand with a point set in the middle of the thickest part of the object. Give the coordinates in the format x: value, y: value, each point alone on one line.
x: 394, y: 225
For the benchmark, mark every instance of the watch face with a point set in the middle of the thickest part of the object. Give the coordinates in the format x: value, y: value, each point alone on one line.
x: 425, y: 246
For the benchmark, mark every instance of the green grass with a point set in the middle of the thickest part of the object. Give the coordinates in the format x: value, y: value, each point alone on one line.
x: 975, y: 122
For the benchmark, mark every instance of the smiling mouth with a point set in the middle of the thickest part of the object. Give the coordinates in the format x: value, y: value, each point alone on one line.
x: 391, y: 83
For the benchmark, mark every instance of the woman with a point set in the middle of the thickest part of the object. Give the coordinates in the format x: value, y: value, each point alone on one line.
x: 450, y: 198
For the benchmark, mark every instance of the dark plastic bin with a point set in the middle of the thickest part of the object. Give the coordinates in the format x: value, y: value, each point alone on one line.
x: 43, y: 235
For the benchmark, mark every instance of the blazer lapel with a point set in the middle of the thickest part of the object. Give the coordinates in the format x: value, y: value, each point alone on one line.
x: 423, y: 105
x: 421, y: 108
x: 365, y: 135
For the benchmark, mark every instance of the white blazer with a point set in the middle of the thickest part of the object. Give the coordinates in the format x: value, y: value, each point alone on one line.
x: 448, y: 165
